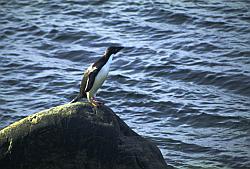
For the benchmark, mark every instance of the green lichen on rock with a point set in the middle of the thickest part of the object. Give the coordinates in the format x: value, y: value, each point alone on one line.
x: 76, y: 136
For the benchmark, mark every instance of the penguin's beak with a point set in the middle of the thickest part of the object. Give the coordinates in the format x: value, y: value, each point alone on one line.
x: 113, y: 50
x: 117, y: 49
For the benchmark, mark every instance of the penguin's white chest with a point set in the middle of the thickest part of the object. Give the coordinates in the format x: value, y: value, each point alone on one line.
x: 101, y: 76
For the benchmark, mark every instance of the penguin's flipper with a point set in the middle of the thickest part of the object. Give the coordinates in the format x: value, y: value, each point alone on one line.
x: 91, y: 80
x: 83, y: 84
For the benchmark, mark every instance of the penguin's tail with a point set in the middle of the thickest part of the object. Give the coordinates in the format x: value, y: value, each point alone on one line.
x: 78, y: 97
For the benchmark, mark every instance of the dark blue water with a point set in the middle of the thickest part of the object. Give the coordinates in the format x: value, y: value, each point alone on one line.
x: 183, y: 81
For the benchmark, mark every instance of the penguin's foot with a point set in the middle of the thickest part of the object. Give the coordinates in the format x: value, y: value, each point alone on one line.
x: 93, y: 104
x: 96, y: 103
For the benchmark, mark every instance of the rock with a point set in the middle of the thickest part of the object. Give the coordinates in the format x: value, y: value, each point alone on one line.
x: 76, y: 136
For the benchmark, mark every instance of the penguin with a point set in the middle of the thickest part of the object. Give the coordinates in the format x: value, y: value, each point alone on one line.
x: 95, y: 75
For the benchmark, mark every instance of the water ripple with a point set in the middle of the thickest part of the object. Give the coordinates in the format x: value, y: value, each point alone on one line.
x: 182, y: 80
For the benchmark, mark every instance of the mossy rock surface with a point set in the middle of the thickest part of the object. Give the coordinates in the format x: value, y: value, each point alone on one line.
x: 76, y: 136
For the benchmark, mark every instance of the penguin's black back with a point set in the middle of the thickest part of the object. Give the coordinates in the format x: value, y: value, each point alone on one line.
x: 91, y: 77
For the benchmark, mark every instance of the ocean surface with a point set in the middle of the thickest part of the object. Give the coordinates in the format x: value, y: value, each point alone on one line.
x: 183, y: 79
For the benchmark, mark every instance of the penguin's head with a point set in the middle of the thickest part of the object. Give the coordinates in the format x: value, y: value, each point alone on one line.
x: 113, y: 50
